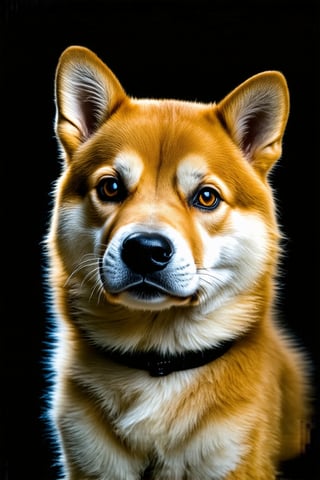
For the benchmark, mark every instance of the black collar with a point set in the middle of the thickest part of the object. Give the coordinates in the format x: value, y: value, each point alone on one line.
x: 159, y: 365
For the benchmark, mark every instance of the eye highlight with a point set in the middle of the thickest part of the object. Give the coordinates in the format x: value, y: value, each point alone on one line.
x: 111, y: 189
x: 207, y: 198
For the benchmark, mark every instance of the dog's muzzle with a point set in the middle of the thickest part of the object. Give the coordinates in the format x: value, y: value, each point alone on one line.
x: 148, y: 267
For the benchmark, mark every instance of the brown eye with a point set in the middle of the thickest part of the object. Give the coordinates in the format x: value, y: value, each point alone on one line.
x: 207, y: 198
x: 111, y: 189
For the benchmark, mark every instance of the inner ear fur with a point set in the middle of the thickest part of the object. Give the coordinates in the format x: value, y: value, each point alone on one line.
x: 255, y: 115
x: 86, y: 94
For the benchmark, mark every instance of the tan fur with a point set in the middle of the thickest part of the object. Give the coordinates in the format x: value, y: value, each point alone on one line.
x: 140, y: 165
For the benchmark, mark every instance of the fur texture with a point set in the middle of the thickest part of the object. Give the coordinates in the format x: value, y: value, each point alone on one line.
x: 164, y: 237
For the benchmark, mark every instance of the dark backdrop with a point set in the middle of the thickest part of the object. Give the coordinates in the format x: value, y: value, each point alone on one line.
x: 197, y: 50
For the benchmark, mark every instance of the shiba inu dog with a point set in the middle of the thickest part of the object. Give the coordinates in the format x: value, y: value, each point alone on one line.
x: 163, y: 249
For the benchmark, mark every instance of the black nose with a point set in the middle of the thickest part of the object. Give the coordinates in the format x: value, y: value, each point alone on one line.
x: 146, y: 252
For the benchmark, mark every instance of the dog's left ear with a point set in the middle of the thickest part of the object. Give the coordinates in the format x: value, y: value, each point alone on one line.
x: 255, y: 115
x: 86, y: 94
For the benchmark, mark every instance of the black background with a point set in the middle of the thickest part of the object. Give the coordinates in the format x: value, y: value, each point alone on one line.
x: 196, y: 50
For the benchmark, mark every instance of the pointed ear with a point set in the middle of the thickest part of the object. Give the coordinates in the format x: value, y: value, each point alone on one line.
x: 86, y: 94
x: 255, y: 115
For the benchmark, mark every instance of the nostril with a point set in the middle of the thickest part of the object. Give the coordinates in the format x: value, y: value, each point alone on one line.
x: 146, y: 252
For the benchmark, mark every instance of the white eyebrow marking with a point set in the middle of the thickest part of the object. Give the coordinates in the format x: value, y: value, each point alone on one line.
x: 129, y: 166
x: 194, y: 170
x: 190, y: 173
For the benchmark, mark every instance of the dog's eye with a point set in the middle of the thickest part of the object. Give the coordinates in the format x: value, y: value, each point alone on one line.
x: 206, y: 198
x: 111, y: 189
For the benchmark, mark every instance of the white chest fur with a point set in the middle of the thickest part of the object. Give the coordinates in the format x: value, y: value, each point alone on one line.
x: 142, y: 415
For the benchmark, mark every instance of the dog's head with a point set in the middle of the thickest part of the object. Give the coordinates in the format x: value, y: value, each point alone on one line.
x: 164, y: 203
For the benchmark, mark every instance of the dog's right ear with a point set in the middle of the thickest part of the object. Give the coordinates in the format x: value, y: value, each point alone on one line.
x: 86, y: 94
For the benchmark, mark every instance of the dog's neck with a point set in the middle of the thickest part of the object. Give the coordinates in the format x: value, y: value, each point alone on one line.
x: 159, y: 364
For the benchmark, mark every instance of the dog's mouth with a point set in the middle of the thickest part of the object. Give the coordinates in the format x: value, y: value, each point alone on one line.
x: 146, y: 292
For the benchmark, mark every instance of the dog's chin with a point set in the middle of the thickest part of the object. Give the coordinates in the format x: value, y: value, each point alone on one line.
x: 146, y: 298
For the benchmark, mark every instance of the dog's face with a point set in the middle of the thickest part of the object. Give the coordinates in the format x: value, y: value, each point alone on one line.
x: 165, y: 203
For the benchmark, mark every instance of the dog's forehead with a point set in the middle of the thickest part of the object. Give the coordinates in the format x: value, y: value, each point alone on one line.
x: 174, y: 137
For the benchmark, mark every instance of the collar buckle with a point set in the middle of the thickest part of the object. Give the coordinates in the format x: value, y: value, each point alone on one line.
x: 159, y: 368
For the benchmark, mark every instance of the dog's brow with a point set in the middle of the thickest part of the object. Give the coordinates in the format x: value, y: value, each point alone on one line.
x: 129, y: 166
x: 191, y: 172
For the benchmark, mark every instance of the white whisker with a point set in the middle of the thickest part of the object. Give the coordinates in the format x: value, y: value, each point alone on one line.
x: 89, y: 264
